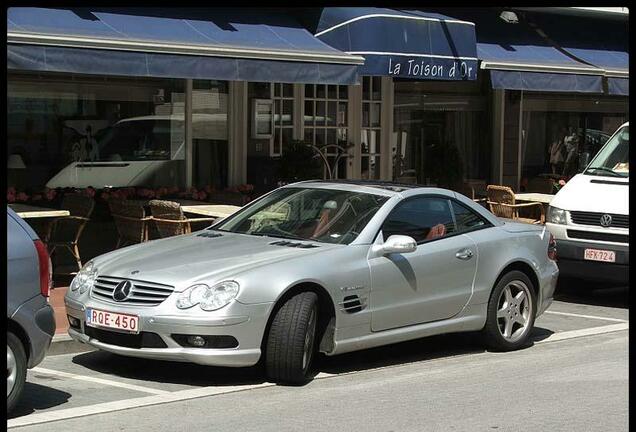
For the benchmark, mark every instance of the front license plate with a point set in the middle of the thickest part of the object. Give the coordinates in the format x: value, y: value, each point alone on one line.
x: 600, y: 255
x: 101, y: 318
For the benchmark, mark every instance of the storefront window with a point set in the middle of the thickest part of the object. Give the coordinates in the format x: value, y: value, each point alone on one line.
x: 267, y: 158
x: 325, y: 124
x: 370, y: 140
x: 440, y: 134
x: 209, y: 133
x: 562, y: 133
x: 79, y: 131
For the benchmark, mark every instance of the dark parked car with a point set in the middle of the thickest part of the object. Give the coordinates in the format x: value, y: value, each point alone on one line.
x: 30, y: 319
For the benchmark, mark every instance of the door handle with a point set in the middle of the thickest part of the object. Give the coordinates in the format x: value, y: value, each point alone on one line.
x: 464, y: 254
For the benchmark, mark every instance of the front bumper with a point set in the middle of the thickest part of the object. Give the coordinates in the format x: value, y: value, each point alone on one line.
x: 246, y: 323
x: 571, y: 262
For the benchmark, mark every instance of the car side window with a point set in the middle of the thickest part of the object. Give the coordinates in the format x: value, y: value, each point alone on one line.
x: 466, y: 219
x: 423, y: 218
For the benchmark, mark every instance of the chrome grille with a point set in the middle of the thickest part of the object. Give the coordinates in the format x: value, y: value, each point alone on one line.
x: 143, y: 293
x: 594, y: 219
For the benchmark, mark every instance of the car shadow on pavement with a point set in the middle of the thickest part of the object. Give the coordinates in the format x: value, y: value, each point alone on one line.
x: 592, y: 293
x: 38, y: 397
x: 162, y: 371
x: 429, y: 348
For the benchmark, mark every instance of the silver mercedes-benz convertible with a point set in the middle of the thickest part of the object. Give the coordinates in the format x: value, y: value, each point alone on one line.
x: 318, y: 266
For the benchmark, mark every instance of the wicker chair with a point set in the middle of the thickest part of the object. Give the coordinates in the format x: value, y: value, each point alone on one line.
x: 131, y: 221
x: 65, y: 232
x: 501, y: 200
x: 170, y: 220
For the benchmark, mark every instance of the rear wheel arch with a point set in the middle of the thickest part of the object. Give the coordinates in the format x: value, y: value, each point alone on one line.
x: 524, y: 268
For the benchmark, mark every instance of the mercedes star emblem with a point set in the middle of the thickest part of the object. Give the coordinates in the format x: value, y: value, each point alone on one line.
x: 122, y: 290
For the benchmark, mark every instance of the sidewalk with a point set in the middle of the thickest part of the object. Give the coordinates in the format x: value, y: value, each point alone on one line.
x: 56, y: 300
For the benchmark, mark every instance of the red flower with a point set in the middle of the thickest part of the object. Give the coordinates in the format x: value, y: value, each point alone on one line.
x: 562, y: 182
x: 202, y: 196
x: 22, y: 197
x: 11, y: 196
x: 11, y: 190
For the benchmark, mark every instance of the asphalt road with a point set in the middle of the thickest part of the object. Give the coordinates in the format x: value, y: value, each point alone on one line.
x: 574, y: 377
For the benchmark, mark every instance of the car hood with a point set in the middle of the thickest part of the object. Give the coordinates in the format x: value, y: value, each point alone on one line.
x: 184, y: 260
x: 594, y: 194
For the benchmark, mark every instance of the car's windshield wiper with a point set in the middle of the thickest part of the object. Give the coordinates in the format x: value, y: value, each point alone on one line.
x: 607, y: 170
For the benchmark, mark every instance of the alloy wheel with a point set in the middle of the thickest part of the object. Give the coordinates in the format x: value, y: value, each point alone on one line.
x: 12, y: 370
x: 309, y: 339
x: 514, y: 310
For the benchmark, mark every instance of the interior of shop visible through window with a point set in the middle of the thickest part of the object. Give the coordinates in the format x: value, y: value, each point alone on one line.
x: 440, y: 134
x: 559, y: 140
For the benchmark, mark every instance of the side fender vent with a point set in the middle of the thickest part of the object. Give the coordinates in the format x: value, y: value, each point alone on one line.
x: 209, y: 234
x: 352, y: 304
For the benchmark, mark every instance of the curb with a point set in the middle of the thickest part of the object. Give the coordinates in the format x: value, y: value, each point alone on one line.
x: 64, y: 344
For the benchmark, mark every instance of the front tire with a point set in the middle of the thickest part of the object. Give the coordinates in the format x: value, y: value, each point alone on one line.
x: 16, y: 369
x: 291, y: 340
x: 511, y: 312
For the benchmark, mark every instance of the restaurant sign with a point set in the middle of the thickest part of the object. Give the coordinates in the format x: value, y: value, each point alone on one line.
x: 422, y: 68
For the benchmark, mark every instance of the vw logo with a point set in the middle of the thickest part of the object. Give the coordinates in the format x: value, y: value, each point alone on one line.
x: 122, y: 290
x: 606, y: 220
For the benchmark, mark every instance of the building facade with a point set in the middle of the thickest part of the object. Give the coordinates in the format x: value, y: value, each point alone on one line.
x: 219, y: 98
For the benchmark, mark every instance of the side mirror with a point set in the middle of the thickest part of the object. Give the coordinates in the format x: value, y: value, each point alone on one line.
x: 399, y: 244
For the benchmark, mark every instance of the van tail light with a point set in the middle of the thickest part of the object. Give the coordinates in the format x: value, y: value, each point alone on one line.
x: 46, y: 269
x: 552, y: 248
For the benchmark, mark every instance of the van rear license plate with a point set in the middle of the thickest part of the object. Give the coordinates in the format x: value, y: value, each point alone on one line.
x: 105, y: 319
x: 600, y: 255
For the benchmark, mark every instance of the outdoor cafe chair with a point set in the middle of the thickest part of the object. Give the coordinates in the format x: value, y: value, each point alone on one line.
x: 170, y: 220
x: 501, y: 201
x: 130, y: 220
x: 65, y: 232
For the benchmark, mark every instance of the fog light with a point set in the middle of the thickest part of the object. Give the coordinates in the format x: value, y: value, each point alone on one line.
x: 74, y: 322
x: 197, y: 341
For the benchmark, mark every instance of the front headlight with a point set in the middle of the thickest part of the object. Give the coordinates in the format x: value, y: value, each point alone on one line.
x: 208, y: 298
x: 84, y: 278
x: 556, y: 215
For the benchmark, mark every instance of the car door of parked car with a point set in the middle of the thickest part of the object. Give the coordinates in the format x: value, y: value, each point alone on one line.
x: 430, y: 284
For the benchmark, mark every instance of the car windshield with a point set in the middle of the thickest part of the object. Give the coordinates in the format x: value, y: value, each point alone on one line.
x: 323, y: 215
x: 613, y: 159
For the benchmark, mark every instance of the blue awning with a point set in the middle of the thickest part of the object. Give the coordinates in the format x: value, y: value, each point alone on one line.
x: 546, y: 82
x: 618, y: 86
x: 519, y: 58
x: 604, y: 43
x: 402, y: 43
x: 224, y: 44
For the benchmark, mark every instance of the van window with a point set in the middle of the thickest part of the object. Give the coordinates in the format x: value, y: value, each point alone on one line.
x: 613, y: 159
x: 138, y: 140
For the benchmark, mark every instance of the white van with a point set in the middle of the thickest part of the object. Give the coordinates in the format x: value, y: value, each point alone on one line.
x: 589, y: 216
x: 140, y: 151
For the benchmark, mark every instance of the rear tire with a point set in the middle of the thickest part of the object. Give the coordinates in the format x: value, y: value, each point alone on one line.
x: 16, y: 369
x: 291, y: 340
x: 511, y: 312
